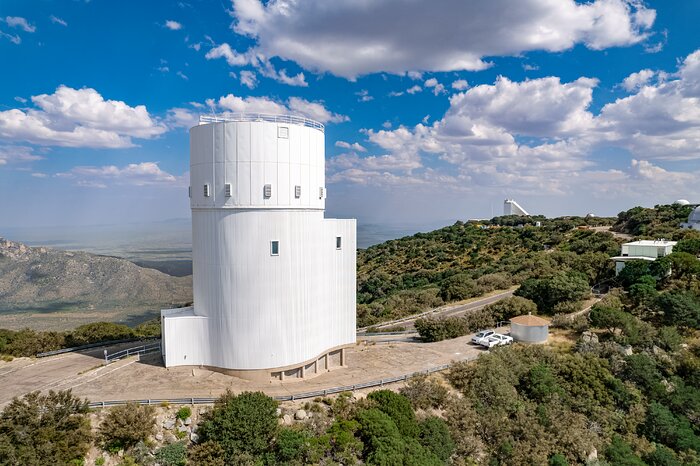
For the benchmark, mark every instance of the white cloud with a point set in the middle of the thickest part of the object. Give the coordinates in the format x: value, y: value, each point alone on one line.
x: 19, y: 22
x: 138, y: 174
x: 182, y: 75
x: 179, y: 117
x: 57, y: 20
x: 39, y: 175
x: 249, y: 79
x: 363, y: 95
x: 528, y: 67
x: 354, y: 146
x: 79, y: 118
x: 21, y: 100
x: 17, y: 154
x: 460, y: 84
x: 173, y: 25
x: 413, y: 89
x: 415, y: 75
x: 232, y: 57
x: 294, y: 105
x: 257, y: 60
x: 433, y: 84
x: 636, y: 80
x: 357, y: 38
x: 14, y: 38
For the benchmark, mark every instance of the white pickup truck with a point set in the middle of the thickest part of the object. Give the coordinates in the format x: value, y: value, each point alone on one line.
x: 495, y: 339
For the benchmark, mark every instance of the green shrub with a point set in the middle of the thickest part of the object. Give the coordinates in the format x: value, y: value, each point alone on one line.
x: 125, y: 426
x: 398, y: 408
x: 435, y: 436
x: 512, y: 306
x: 207, y: 454
x: 44, y: 429
x: 620, y: 453
x: 174, y: 454
x: 551, y: 291
x: 424, y: 393
x: 289, y: 445
x: 458, y: 287
x: 183, y: 413
x: 97, y: 332
x: 558, y: 460
x: 100, y: 461
x: 433, y: 329
x: 245, y: 423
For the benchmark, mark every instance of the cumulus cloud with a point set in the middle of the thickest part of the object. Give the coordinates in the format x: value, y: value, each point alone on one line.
x: 363, y: 95
x: 19, y: 22
x: 257, y: 60
x: 433, y: 84
x: 354, y: 146
x: 79, y: 118
x: 460, y: 84
x: 294, y: 105
x: 537, y: 138
x: 138, y: 174
x: 357, y: 38
x: 13, y: 154
x: 636, y: 80
x: 173, y: 25
x: 414, y: 89
x: 248, y: 79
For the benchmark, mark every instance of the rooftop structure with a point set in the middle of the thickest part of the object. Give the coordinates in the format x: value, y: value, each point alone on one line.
x: 273, y: 280
x: 648, y: 250
x: 511, y: 207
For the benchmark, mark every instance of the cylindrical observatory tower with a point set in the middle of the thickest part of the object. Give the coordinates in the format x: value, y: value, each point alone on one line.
x: 274, y: 281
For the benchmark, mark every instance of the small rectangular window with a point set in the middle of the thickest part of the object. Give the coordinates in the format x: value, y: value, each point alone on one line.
x: 321, y: 193
x: 189, y: 191
x: 206, y: 190
x: 338, y: 242
x: 283, y: 132
x: 297, y: 192
x: 274, y: 248
x: 228, y: 189
x: 267, y: 191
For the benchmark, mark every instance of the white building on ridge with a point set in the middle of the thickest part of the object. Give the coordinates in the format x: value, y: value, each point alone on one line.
x: 510, y: 207
x: 274, y: 281
x: 642, y: 250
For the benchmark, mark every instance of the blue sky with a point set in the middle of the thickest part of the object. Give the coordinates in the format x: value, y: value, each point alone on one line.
x: 434, y: 111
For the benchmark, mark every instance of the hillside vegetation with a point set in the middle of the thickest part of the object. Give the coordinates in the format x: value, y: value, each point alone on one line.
x: 415, y: 273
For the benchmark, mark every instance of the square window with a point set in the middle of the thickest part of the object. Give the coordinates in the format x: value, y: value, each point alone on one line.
x: 297, y: 192
x: 283, y: 132
x: 267, y: 191
x: 206, y: 190
x: 228, y: 189
x: 338, y: 242
x: 274, y: 248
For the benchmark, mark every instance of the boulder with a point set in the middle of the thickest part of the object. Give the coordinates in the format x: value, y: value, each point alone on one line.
x: 194, y: 437
x: 288, y: 420
x: 183, y: 429
x: 187, y: 421
x: 169, y: 424
x: 627, y: 350
x: 159, y: 437
x: 300, y: 415
x: 592, y: 456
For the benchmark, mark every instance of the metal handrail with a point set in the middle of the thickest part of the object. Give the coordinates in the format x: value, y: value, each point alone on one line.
x: 143, y: 349
x: 289, y: 119
x: 298, y: 396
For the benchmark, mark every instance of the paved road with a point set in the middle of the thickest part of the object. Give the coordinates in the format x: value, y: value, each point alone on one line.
x: 451, y: 310
x: 24, y: 375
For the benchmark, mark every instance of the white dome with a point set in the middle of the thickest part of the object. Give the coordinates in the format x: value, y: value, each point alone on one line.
x: 694, y: 216
x: 681, y: 202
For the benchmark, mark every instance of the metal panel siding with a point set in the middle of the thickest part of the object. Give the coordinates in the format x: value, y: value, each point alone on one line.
x: 529, y: 334
x: 263, y: 311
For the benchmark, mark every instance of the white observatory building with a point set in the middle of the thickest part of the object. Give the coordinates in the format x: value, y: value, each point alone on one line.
x: 274, y: 281
x: 511, y: 207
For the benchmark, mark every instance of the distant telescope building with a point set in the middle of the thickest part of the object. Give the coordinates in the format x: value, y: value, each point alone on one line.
x: 273, y: 280
x: 510, y: 207
x: 693, y: 220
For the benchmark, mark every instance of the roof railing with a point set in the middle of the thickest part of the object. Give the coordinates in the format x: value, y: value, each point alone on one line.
x: 288, y: 119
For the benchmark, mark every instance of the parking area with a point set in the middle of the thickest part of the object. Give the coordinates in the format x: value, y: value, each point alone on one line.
x: 133, y: 378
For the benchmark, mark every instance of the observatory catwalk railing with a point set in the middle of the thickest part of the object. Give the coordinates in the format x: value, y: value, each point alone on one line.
x: 297, y: 396
x: 284, y: 119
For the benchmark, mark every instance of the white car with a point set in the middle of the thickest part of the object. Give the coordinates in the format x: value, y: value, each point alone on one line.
x: 501, y: 340
x: 482, y: 336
